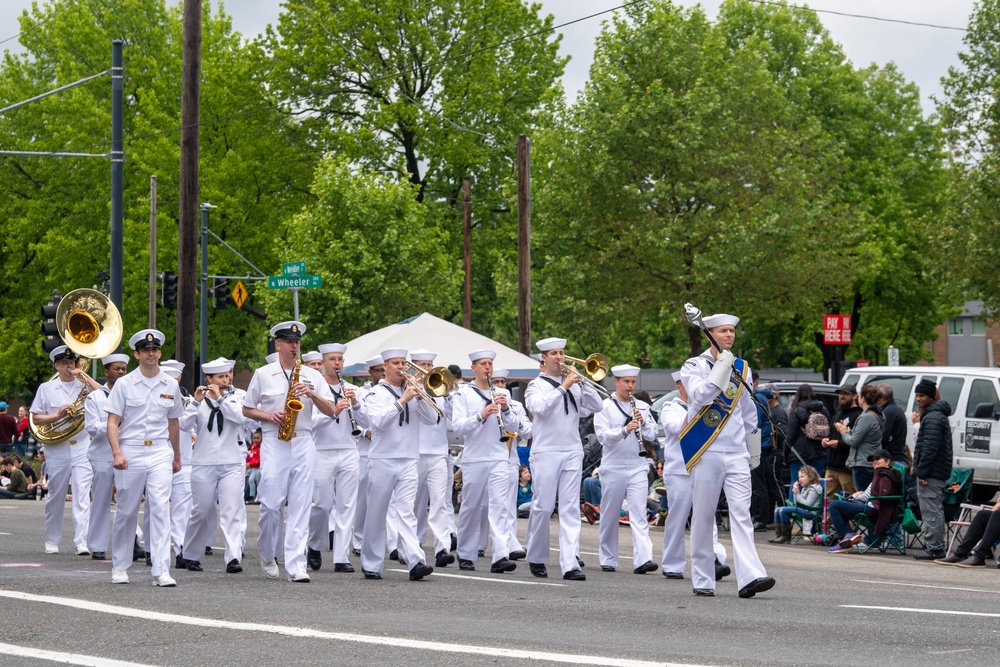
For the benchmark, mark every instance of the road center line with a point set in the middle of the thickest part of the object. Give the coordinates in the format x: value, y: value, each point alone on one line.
x: 400, y: 642
x: 946, y: 588
x: 65, y: 658
x: 946, y: 612
x: 489, y: 580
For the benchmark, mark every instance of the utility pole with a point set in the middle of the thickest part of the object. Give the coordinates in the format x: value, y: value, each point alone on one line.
x: 523, y: 245
x: 152, y: 252
x: 117, y: 171
x: 187, y: 252
x: 203, y: 326
x: 467, y: 302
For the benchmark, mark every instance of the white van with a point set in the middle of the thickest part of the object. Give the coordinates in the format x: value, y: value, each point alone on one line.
x: 974, y: 397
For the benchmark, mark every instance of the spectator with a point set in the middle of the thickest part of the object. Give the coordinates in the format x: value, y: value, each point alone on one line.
x: 803, y: 449
x: 984, y: 531
x: 837, y: 472
x: 253, y: 466
x: 656, y: 499
x: 808, y: 492
x: 894, y: 432
x: 886, y: 481
x: 932, y: 466
x: 17, y: 488
x: 592, y: 496
x: 28, y: 471
x: 23, y: 433
x: 524, y: 493
x: 864, y: 438
x: 8, y: 429
x: 765, y: 493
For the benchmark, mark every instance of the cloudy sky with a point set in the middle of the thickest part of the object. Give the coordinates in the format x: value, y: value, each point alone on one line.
x: 924, y: 54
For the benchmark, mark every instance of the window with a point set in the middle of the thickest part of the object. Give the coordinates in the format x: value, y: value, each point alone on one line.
x: 956, y: 326
x: 951, y: 389
x: 901, y: 385
x: 978, y: 327
x: 982, y: 391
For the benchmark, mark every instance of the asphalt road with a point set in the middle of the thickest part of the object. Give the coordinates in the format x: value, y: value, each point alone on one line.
x: 826, y: 608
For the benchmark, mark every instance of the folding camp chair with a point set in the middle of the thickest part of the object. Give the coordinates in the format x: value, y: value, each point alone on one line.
x: 811, y: 525
x: 956, y: 496
x: 894, y: 536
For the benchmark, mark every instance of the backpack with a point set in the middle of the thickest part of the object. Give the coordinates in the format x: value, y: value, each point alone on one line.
x: 817, y: 426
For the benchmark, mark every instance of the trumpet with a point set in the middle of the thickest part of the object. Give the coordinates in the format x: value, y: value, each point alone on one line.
x: 595, y: 369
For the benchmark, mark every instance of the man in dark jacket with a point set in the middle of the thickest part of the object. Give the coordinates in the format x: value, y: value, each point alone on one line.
x: 894, y: 429
x: 837, y: 450
x: 765, y: 494
x: 932, y: 458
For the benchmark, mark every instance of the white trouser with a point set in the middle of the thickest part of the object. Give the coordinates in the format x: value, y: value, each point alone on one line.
x: 484, y: 484
x: 449, y: 502
x: 335, y: 493
x: 180, y: 507
x: 392, y: 525
x: 59, y: 468
x: 432, y: 485
x: 361, y: 506
x: 714, y: 472
x: 510, y: 507
x: 149, y: 470
x: 101, y: 487
x: 617, y: 483
x: 555, y: 474
x: 208, y: 483
x: 678, y: 507
x: 82, y: 476
x: 390, y: 478
x: 286, y: 473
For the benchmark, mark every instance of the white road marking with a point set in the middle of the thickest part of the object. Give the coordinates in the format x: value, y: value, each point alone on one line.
x: 440, y: 647
x: 946, y: 588
x: 946, y: 612
x: 65, y: 658
x: 498, y: 580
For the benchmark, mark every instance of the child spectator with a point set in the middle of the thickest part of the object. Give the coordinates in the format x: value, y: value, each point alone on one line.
x: 807, y: 492
x: 253, y: 467
x: 524, y: 494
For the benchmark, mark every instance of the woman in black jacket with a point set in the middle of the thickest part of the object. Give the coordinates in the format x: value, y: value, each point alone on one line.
x: 809, y: 449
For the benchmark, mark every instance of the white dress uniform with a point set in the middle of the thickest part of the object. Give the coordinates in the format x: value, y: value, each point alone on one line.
x: 338, y: 473
x: 393, y: 460
x: 677, y: 482
x: 514, y: 474
x: 485, y: 473
x: 217, y: 465
x: 101, y: 459
x: 144, y: 405
x: 557, y: 464
x: 286, y: 468
x: 364, y: 444
x: 623, y: 473
x: 59, y: 457
x: 432, y: 476
x: 81, y: 479
x: 724, y: 465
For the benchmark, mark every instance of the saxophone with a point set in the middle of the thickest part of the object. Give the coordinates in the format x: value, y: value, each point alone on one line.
x: 292, y: 406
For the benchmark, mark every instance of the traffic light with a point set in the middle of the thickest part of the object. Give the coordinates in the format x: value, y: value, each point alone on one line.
x: 222, y: 296
x: 168, y: 290
x: 49, y: 327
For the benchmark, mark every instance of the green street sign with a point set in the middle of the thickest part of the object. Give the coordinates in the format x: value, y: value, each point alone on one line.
x: 294, y: 268
x: 304, y: 281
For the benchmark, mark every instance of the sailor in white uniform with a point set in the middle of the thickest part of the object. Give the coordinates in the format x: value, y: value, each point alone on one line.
x: 621, y: 429
x: 514, y: 548
x: 557, y: 403
x: 314, y: 360
x: 144, y: 410
x: 181, y: 500
x: 376, y: 371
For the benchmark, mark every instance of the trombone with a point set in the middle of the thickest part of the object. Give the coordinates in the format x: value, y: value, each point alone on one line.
x: 438, y: 382
x: 595, y: 369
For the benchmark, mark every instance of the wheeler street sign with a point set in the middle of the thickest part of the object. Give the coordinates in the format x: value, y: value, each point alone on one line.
x: 294, y: 268
x: 296, y: 282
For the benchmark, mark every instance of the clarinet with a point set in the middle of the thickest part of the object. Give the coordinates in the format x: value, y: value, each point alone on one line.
x: 355, y: 429
x: 493, y: 395
x: 638, y: 431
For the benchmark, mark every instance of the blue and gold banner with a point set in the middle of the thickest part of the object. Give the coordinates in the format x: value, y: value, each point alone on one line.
x: 711, y: 419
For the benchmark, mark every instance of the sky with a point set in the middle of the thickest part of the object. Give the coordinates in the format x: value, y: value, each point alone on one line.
x: 923, y: 54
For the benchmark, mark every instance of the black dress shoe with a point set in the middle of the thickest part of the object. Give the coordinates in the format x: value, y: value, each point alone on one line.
x: 454, y: 542
x: 648, y: 566
x: 194, y: 566
x: 149, y: 560
x: 331, y: 540
x: 538, y: 570
x: 314, y: 559
x: 607, y: 568
x: 758, y: 585
x: 208, y: 551
x: 355, y: 552
x: 517, y: 555
x: 233, y: 567
x: 99, y: 555
x: 371, y: 575
x: 673, y: 575
x: 579, y: 561
x: 419, y: 571
x: 343, y: 567
x: 929, y: 555
x: 138, y: 553
x: 704, y: 592
x: 502, y: 565
x: 721, y: 570
x: 443, y: 559
x: 575, y: 575
x: 466, y: 565
x: 394, y: 554
x: 180, y: 562
x: 480, y: 554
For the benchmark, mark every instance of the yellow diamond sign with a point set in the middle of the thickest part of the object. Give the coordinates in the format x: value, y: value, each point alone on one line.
x: 239, y: 294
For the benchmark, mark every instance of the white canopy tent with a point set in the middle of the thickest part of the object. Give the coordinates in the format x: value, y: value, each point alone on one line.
x: 451, y: 342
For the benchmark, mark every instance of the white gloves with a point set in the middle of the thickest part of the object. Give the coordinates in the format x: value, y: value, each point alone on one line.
x: 719, y: 375
x: 753, y: 446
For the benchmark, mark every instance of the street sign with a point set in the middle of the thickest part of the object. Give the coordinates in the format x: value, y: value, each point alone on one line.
x: 294, y: 268
x: 305, y: 281
x: 239, y: 293
x: 893, y: 355
x: 837, y: 329
x: 863, y: 363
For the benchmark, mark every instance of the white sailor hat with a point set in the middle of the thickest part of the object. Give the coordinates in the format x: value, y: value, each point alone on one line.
x: 115, y: 358
x: 62, y: 353
x: 271, y: 358
x: 482, y: 354
x: 146, y: 338
x: 312, y: 355
x: 719, y: 320
x: 393, y: 353
x: 173, y: 363
x: 374, y: 361
x: 423, y: 355
x: 172, y: 371
x: 500, y: 373
x: 290, y: 330
x: 676, y: 375
x: 547, y: 344
x: 625, y: 371
x: 220, y: 365
x: 327, y: 348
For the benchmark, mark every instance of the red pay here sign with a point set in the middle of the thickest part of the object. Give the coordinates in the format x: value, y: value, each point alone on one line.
x: 837, y: 329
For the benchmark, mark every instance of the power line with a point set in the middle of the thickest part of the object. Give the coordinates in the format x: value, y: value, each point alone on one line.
x: 861, y: 16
